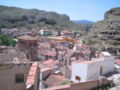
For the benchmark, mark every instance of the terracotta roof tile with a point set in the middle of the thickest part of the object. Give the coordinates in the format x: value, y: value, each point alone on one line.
x: 32, y: 73
x: 55, y: 80
x: 117, y: 61
x: 49, y: 61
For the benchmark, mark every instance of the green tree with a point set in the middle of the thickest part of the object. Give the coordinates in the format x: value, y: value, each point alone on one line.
x: 65, y: 82
x: 13, y: 42
x: 5, y: 40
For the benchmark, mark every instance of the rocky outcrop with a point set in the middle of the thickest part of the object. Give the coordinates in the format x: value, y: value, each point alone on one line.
x: 112, y: 18
x: 106, y: 33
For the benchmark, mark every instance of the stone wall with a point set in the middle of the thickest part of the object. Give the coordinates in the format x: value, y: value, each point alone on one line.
x: 80, y: 86
x: 28, y: 45
x: 8, y: 76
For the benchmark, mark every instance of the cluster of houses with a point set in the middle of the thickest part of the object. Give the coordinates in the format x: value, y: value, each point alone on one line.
x: 46, y: 32
x: 41, y: 62
x: 14, y: 32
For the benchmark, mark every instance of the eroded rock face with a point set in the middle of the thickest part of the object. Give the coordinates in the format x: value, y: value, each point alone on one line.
x: 108, y: 30
x: 114, y: 11
x: 112, y: 18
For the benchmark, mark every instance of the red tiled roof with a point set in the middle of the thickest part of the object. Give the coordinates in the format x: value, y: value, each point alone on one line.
x: 55, y: 80
x: 32, y: 73
x: 50, y: 65
x: 47, y: 52
x: 49, y: 61
x: 9, y: 51
x: 117, y: 61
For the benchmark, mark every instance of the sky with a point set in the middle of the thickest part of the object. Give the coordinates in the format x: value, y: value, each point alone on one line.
x: 92, y: 10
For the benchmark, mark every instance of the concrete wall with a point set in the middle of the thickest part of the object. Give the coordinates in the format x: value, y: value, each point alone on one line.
x: 85, y: 85
x: 79, y: 70
x: 66, y: 72
x: 7, y: 76
x: 46, y: 72
x: 91, y: 71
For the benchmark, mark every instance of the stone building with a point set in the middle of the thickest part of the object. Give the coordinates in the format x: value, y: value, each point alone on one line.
x: 29, y: 46
x: 22, y: 76
x: 13, y: 76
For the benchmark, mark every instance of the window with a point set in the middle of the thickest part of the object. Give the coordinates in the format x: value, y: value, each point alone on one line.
x: 77, y: 78
x: 19, y: 78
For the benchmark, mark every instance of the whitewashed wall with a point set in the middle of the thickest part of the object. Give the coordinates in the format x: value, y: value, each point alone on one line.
x: 91, y: 71
x: 94, y: 69
x: 79, y: 70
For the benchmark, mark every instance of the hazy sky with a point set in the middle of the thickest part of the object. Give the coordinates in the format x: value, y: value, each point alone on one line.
x: 75, y: 9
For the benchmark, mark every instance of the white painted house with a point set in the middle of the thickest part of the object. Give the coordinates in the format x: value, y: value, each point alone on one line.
x: 105, y: 54
x: 91, y: 70
x: 44, y: 32
x: 117, y: 64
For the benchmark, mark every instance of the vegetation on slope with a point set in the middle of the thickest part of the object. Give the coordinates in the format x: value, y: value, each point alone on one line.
x: 33, y: 19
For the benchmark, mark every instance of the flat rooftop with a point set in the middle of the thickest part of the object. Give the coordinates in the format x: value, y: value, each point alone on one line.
x: 27, y: 37
x: 88, y: 62
x: 57, y: 38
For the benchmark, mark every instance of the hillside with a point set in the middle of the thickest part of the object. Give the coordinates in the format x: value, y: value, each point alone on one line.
x: 34, y: 19
x: 105, y: 34
x: 85, y: 24
x: 14, y: 17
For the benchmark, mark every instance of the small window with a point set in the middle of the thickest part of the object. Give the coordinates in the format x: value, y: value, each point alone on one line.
x: 77, y: 78
x: 19, y: 78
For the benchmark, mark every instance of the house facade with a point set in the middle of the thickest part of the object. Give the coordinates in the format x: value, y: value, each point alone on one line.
x: 13, y: 76
x: 91, y: 70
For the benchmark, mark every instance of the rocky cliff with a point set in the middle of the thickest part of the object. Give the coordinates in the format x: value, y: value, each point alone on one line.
x: 105, y: 34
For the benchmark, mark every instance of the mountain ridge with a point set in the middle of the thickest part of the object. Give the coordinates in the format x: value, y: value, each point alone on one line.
x: 83, y: 21
x: 34, y: 19
x: 10, y: 15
